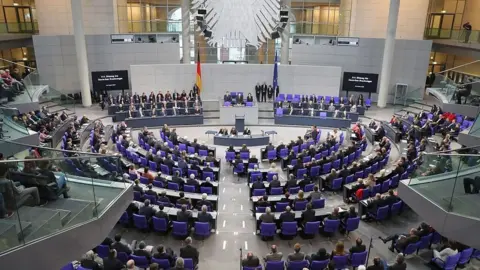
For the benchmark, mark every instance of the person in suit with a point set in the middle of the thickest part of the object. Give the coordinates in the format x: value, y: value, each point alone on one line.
x: 121, y: 246
x: 204, y: 202
x: 321, y: 255
x: 91, y: 261
x: 161, y: 214
x: 297, y: 255
x: 375, y: 203
x: 292, y: 182
x: 207, y: 183
x: 163, y: 197
x: 111, y: 262
x: 401, y: 240
x: 233, y: 131
x: 151, y: 192
x: 191, y: 181
x: 399, y: 263
x: 141, y: 251
x: 258, y: 184
x: 377, y: 264
x: 391, y: 198
x: 264, y: 92
x: 183, y: 215
x: 315, y: 194
x: 263, y: 201
x: 275, y: 182
x: 161, y: 254
x: 138, y: 188
x: 335, y: 214
x: 274, y: 255
x: 250, y: 260
x: 287, y: 216
x: 258, y: 91
x: 359, y: 246
x: 267, y: 217
x: 189, y: 252
x: 227, y: 97
x: 147, y: 210
x: 183, y: 201
x: 204, y: 216
x: 339, y: 250
x: 309, y: 214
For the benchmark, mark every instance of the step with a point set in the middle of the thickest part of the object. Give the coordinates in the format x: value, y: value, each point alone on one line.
x: 267, y: 114
x: 43, y: 221
x: 18, y: 226
x: 73, y: 206
x: 211, y: 114
x: 8, y: 236
x: 423, y: 104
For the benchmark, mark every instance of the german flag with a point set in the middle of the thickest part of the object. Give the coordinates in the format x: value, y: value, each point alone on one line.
x: 199, y: 73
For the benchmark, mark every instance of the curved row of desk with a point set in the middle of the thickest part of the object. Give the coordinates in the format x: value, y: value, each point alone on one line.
x: 249, y: 140
x: 177, y: 120
x: 301, y: 120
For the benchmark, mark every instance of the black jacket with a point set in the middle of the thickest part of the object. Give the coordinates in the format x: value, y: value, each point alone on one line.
x: 308, y: 216
x: 189, y: 252
x: 287, y: 217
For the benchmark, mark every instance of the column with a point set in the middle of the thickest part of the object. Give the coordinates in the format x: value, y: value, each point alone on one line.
x: 81, y: 51
x: 388, y: 52
x: 186, y: 31
x: 286, y: 35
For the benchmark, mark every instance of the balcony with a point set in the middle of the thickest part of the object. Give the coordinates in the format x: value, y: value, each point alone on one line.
x: 454, y: 38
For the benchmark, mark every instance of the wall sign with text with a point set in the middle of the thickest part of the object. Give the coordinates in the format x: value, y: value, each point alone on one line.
x: 360, y: 82
x: 110, y: 80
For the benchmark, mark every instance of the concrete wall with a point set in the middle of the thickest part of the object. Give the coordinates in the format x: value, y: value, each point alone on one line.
x: 55, y: 16
x: 369, y: 18
x: 57, y: 62
x: 218, y: 78
x: 410, y: 60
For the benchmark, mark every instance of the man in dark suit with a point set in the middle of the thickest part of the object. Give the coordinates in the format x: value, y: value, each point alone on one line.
x: 264, y: 92
x: 253, y: 159
x: 151, y: 192
x: 251, y: 260
x: 111, y: 262
x: 314, y: 132
x: 275, y: 182
x: 138, y: 188
x: 292, y: 182
x: 399, y: 263
x: 163, y: 197
x: 147, y: 210
x: 161, y: 254
x: 183, y: 215
x: 182, y: 200
x: 258, y: 184
x: 189, y: 252
x: 309, y: 214
x: 267, y: 217
x: 287, y: 216
x: 204, y: 216
x: 359, y: 246
x: 207, y: 168
x: 227, y: 97
x: 161, y: 214
x: 401, y: 240
x: 258, y: 91
x: 207, y: 183
x: 120, y: 246
x: 169, y: 162
x: 141, y: 251
x: 375, y: 203
x: 178, y: 180
x: 203, y: 202
x: 263, y: 201
x: 191, y: 181
x: 391, y: 198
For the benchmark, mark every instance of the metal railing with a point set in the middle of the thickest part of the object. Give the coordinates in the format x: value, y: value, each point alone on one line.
x: 457, y: 35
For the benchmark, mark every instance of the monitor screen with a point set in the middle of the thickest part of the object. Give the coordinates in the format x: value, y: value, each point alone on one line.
x: 110, y: 80
x: 360, y: 82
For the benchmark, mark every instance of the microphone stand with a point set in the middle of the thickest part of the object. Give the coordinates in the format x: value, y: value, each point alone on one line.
x: 368, y: 254
x: 241, y: 256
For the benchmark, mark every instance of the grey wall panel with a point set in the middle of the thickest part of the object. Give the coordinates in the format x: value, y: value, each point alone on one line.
x: 411, y: 60
x: 462, y: 109
x: 57, y: 62
x: 217, y: 79
x: 78, y: 239
x: 468, y: 140
x: 9, y: 149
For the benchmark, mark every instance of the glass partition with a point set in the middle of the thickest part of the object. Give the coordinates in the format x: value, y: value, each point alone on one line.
x: 46, y: 195
x: 450, y: 180
x: 11, y: 127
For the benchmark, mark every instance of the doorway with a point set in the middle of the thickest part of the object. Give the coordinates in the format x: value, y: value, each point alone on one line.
x: 440, y: 25
x: 19, y: 19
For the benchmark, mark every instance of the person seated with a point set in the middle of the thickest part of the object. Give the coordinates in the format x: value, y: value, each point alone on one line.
x: 321, y: 255
x: 191, y: 181
x: 247, y: 131
x: 148, y: 175
x: 335, y: 214
x: 352, y: 213
x: 399, y: 263
x: 291, y: 182
x: 163, y: 197
x: 309, y: 214
x: 401, y: 241
x: 151, y: 192
x: 161, y: 214
x: 447, y: 250
x: 287, y: 216
x: 184, y: 215
x: 274, y: 255
x: 189, y: 252
x: 250, y: 261
x: 142, y: 251
x: 162, y: 254
x: 267, y: 217
x: 120, y: 246
x: 339, y: 250
x: 249, y: 97
x: 184, y: 201
x: 300, y: 197
x: 391, y: 198
x: 233, y: 131
x: 203, y: 202
x: 315, y: 194
x: 204, y: 216
x: 207, y: 183
x: 359, y: 246
x: 227, y: 97
x: 330, y: 177
x: 223, y: 131
x: 91, y: 261
x: 331, y: 107
x: 147, y: 210
x: 258, y: 184
x: 112, y: 262
x: 377, y: 264
x: 244, y: 149
x: 297, y: 255
x: 263, y: 201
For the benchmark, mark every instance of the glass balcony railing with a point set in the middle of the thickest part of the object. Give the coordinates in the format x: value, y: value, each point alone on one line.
x: 32, y: 203
x: 11, y: 127
x: 447, y: 179
x: 458, y: 35
x: 19, y: 28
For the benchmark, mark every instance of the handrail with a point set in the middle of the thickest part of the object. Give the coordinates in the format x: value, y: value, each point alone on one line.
x: 54, y: 149
x: 40, y: 159
x: 458, y: 67
x: 451, y: 150
x: 17, y: 64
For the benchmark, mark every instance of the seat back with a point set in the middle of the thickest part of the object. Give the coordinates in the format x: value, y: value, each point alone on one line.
x: 140, y: 261
x: 308, y: 187
x: 189, y: 188
x: 202, y: 228
x: 317, y: 204
x: 337, y: 183
x: 207, y: 190
x: 275, y: 265
x: 140, y: 221
x: 314, y: 171
x: 300, y: 205
x: 396, y: 207
x: 465, y: 256
x: 188, y: 263
x: 281, y: 206
x: 358, y: 259
x: 267, y: 229
x: 159, y: 224
x: 331, y: 225
x: 340, y: 261
x: 173, y: 186
x: 163, y: 263
x: 276, y: 191
x: 259, y: 192
x: 179, y: 228
x: 289, y: 228
x: 294, y: 190
x: 271, y: 155
x: 208, y: 174
x: 452, y: 261
x: 297, y: 265
x: 320, y: 265
x: 311, y: 227
x: 352, y: 224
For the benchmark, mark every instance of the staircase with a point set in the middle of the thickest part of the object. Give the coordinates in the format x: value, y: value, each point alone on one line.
x: 412, y: 107
x: 54, y: 107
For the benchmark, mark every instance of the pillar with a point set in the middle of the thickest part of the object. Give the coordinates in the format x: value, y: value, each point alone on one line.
x: 286, y: 34
x: 81, y: 51
x: 388, y: 53
x: 186, y: 31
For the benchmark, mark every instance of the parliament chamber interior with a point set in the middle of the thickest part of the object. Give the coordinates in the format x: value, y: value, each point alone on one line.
x: 267, y: 135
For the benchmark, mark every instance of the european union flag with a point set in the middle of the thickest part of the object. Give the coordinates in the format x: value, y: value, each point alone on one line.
x: 275, y: 72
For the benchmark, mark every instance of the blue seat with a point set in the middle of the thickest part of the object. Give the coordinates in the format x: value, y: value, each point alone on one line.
x: 330, y: 226
x: 336, y: 164
x: 396, y: 208
x: 308, y: 187
x: 319, y: 265
x: 194, y: 172
x: 173, y: 186
x: 244, y: 155
x: 137, y: 196
x: 311, y: 228
x: 202, y: 229
x: 261, y: 209
x: 357, y: 259
x: 381, y: 213
x: 164, y: 169
x: 189, y: 188
x: 230, y: 156
x: 102, y: 251
x: 82, y: 268
x: 259, y: 192
x: 124, y: 219
x: 140, y: 222
x: 208, y: 174
x: 449, y: 264
x: 336, y: 184
x: 341, y: 262
x: 152, y: 165
x: 268, y: 229
x: 203, y: 153
x: 314, y: 171
x: 272, y: 155
x: 152, y: 198
x: 300, y: 205
x: 465, y: 256
x: 163, y: 264
x: 424, y: 242
x: 159, y: 224
x: 275, y: 265
x: 180, y: 229
x: 207, y: 190
x: 280, y: 206
x: 358, y: 175
x: 410, y: 249
x: 140, y: 261
x: 270, y: 176
x: 351, y: 224
x: 283, y: 153
x: 289, y: 228
x: 123, y: 257
x: 294, y: 190
x: 300, y: 173
x: 276, y: 191
x: 317, y: 204
x: 326, y: 167
x: 385, y: 186
x: 349, y: 179
x: 297, y: 265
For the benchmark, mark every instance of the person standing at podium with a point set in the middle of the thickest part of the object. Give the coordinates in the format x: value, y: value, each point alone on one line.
x: 240, y: 99
x: 270, y: 92
x: 258, y: 90
x: 264, y: 92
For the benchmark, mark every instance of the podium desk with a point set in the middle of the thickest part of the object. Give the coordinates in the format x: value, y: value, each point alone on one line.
x: 300, y: 120
x: 178, y: 120
x: 253, y: 140
x: 227, y: 115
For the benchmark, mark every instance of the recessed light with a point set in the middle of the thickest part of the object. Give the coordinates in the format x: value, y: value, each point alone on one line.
x: 444, y: 11
x: 24, y: 59
x: 15, y: 4
x: 434, y: 63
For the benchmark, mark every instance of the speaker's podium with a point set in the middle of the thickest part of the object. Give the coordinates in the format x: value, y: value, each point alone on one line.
x: 240, y: 123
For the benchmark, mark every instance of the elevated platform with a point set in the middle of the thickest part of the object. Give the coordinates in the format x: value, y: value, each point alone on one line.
x: 29, y: 100
x: 444, y: 98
